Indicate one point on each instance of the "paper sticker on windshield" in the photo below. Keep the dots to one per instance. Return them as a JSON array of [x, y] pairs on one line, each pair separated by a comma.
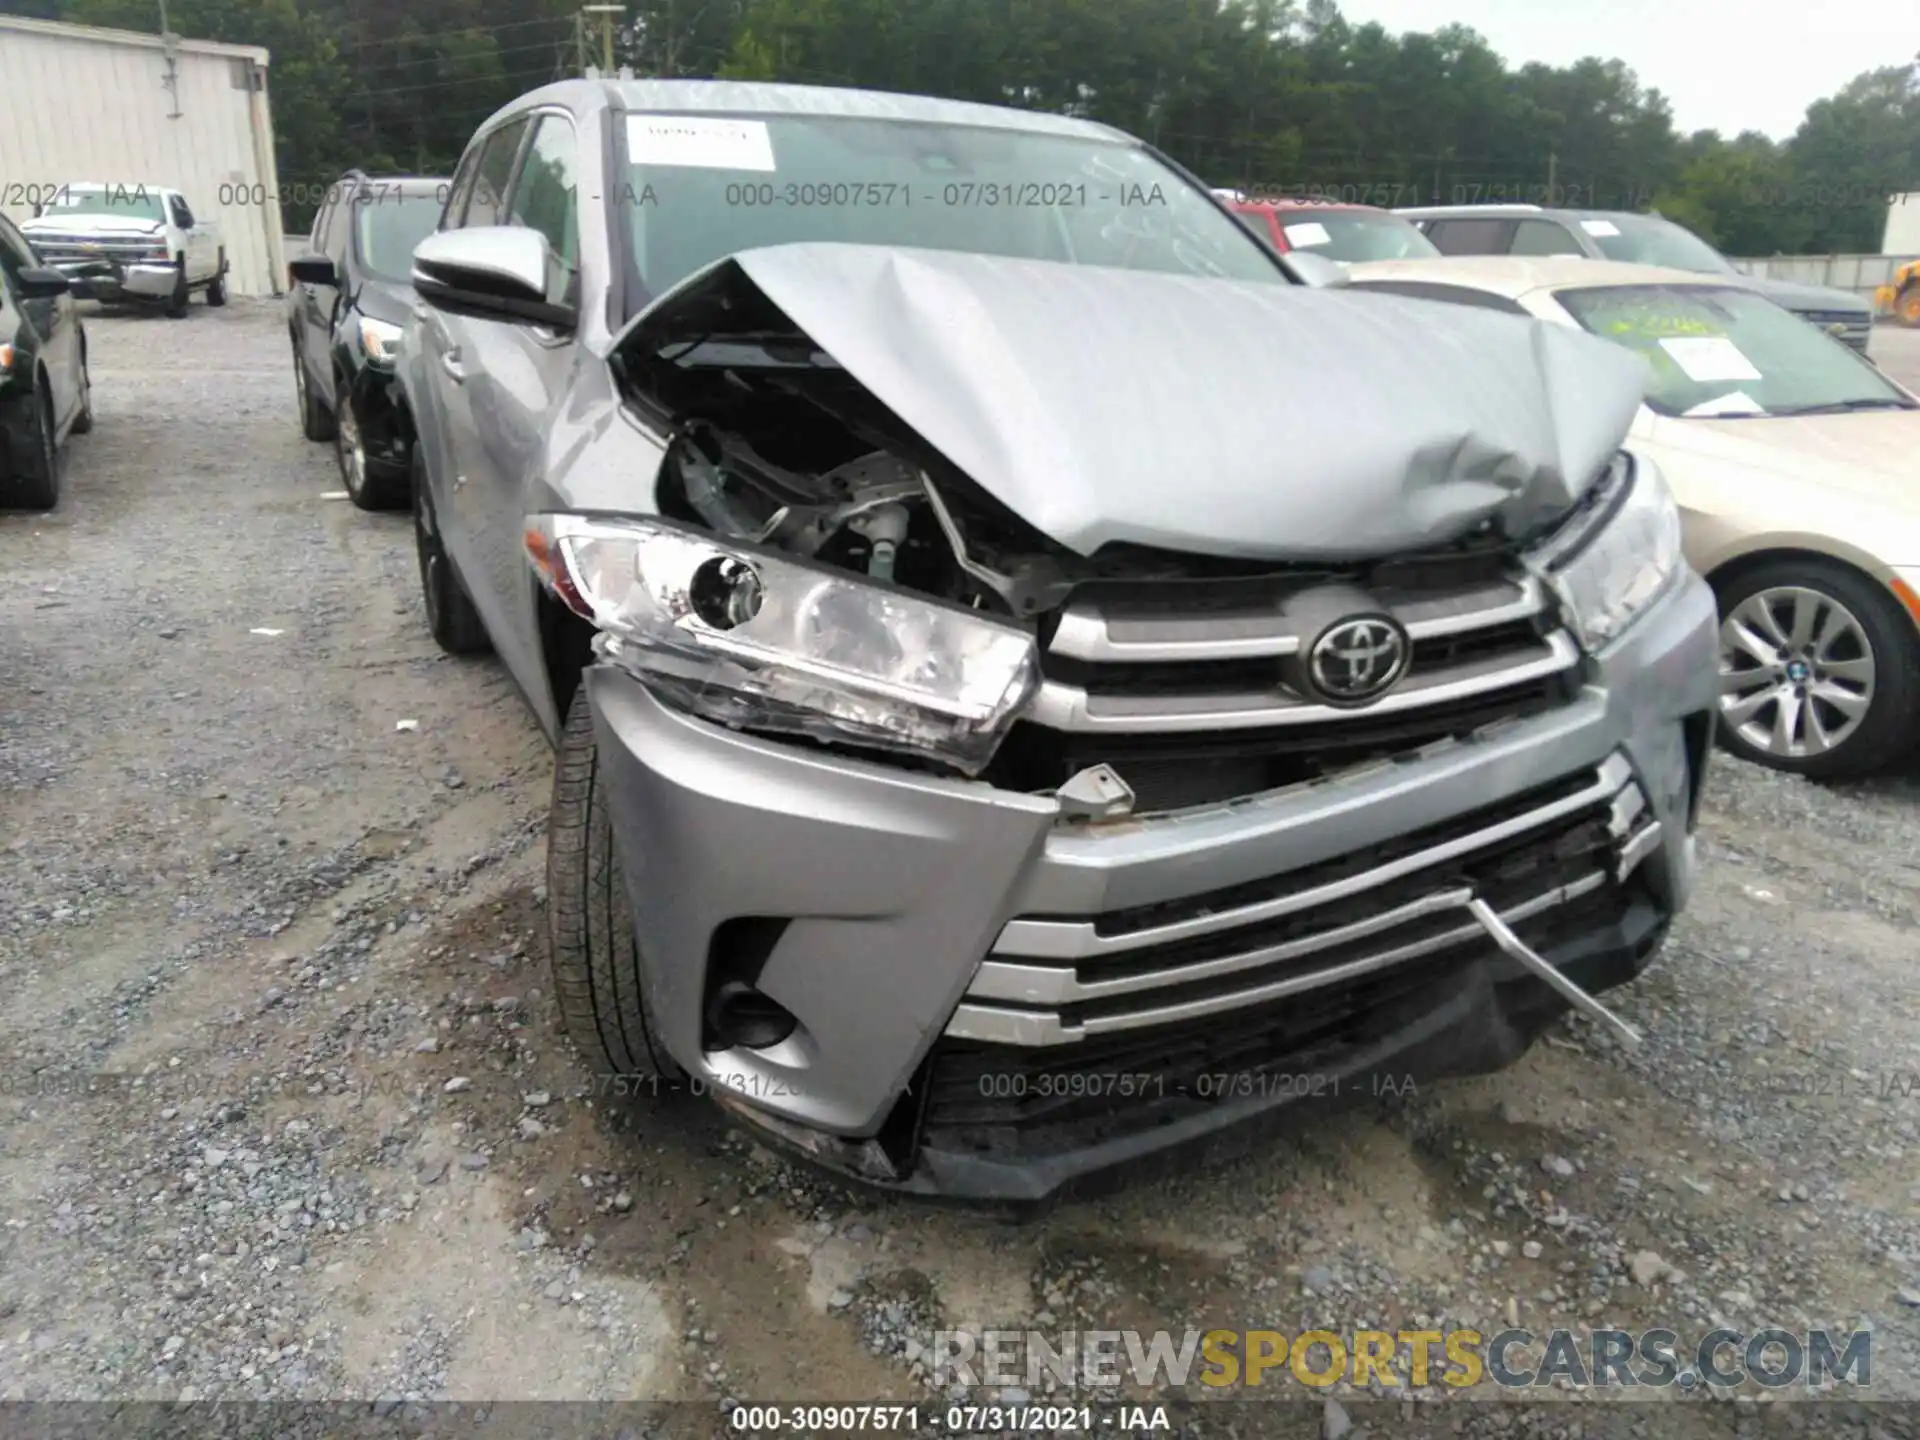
[[1308, 232], [1707, 359], [700, 141], [1599, 227]]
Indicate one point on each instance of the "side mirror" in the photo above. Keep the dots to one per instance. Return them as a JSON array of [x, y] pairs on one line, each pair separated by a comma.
[[313, 270], [491, 272], [40, 283], [1315, 270]]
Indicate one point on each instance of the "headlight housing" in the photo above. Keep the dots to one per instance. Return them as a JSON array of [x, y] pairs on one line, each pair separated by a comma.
[[380, 340], [1616, 555], [761, 642]]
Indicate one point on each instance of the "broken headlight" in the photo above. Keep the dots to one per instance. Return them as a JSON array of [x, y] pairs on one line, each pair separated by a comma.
[[1617, 554], [379, 340], [764, 643]]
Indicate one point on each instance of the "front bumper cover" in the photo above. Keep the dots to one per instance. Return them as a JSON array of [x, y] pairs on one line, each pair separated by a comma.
[[117, 280], [891, 889]]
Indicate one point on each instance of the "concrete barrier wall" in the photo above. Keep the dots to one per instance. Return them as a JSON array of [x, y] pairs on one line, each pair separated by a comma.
[[1862, 274]]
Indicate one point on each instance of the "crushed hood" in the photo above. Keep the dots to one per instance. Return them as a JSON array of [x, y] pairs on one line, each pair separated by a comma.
[[1231, 418]]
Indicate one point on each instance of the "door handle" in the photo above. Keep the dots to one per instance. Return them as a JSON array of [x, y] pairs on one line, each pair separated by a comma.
[[450, 362]]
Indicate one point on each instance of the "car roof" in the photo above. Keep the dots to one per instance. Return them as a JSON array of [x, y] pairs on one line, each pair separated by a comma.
[[426, 184], [1514, 275], [739, 97], [1475, 212], [1275, 205]]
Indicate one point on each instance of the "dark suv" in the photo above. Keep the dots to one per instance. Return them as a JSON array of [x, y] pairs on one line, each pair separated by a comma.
[[348, 302], [44, 392]]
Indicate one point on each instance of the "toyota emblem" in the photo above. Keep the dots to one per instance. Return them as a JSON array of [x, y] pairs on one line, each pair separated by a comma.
[[1359, 659]]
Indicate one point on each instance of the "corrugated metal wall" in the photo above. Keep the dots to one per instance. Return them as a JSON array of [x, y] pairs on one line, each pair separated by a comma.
[[82, 104]]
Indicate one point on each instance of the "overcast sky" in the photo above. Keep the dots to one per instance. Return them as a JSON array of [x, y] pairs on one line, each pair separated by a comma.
[[1723, 65]]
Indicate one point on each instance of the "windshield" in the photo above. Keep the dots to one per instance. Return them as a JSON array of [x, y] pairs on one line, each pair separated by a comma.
[[700, 188], [387, 228], [1716, 351], [1352, 236], [1649, 240], [133, 202]]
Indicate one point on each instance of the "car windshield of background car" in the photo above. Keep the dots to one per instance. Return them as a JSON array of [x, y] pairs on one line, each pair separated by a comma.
[[1714, 351], [130, 201], [387, 228], [1352, 237], [1648, 240]]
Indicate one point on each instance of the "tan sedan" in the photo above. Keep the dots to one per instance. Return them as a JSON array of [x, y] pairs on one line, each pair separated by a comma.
[[1796, 465]]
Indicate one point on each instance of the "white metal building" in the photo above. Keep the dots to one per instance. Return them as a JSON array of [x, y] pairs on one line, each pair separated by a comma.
[[120, 107], [1902, 235]]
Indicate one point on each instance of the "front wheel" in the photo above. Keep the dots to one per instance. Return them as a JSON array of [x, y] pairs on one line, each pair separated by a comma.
[[1819, 670], [595, 955], [36, 486], [83, 420], [316, 421], [182, 292], [370, 485], [451, 616], [217, 287]]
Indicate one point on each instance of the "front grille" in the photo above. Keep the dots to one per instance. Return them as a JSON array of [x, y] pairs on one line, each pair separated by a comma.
[[75, 252], [1856, 327], [1012, 1101], [1180, 686], [1057, 981]]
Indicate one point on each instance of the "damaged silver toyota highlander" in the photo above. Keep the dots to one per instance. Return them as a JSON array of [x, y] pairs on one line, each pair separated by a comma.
[[1042, 684]]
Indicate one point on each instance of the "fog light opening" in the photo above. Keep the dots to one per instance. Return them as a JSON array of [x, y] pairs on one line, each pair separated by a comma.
[[741, 1017]]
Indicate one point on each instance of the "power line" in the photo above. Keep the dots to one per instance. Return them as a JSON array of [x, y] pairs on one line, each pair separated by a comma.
[[465, 30]]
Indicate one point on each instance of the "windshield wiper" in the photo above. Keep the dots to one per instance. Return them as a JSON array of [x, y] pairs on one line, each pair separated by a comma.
[[1841, 407]]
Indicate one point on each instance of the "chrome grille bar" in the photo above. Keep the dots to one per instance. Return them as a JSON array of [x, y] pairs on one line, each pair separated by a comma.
[[1080, 939], [996, 1025]]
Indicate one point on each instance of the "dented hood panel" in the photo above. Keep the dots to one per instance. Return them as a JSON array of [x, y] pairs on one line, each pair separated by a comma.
[[1220, 417]]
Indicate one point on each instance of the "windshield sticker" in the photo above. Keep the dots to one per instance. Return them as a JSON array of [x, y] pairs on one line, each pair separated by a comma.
[[1734, 402], [1599, 227], [1710, 359], [1308, 232], [700, 142]]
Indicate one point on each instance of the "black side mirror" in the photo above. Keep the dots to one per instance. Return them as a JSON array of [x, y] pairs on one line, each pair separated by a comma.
[[314, 270], [42, 284]]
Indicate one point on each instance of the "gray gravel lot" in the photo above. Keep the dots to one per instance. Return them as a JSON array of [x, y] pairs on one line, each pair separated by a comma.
[[285, 1111]]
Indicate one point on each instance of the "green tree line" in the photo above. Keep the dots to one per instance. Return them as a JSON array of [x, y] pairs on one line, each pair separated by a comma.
[[1272, 94]]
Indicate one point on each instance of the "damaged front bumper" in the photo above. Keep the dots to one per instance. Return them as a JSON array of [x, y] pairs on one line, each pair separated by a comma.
[[115, 280], [995, 1004]]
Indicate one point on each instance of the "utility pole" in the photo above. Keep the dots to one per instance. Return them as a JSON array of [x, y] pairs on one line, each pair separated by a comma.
[[171, 84], [606, 14], [580, 41], [1553, 169]]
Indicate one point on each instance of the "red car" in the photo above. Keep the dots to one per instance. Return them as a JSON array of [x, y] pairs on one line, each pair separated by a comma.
[[1347, 233]]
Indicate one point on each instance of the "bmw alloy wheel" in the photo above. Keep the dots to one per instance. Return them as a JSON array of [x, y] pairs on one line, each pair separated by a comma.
[[1796, 672]]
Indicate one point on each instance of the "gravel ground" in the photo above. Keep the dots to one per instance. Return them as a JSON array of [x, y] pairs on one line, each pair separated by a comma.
[[285, 1112]]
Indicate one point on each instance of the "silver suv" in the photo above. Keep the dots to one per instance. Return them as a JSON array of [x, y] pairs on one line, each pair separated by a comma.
[[1040, 682]]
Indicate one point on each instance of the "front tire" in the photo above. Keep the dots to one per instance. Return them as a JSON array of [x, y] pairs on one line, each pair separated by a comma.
[[595, 956], [451, 615], [217, 287], [367, 488], [83, 421], [37, 486], [316, 421], [177, 303], [1819, 670]]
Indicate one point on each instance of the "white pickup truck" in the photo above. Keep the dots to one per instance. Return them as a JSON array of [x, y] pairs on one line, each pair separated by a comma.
[[130, 243]]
